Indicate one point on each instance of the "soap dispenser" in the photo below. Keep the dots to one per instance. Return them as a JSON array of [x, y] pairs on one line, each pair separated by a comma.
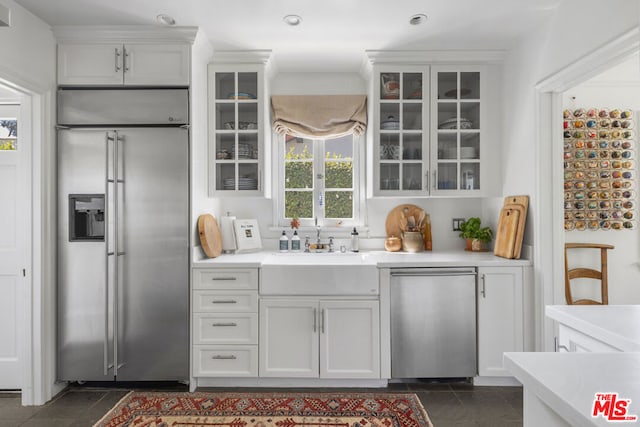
[[355, 244], [295, 242], [284, 242]]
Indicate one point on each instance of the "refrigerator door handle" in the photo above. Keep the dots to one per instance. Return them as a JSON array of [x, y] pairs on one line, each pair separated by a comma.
[[116, 239], [108, 253]]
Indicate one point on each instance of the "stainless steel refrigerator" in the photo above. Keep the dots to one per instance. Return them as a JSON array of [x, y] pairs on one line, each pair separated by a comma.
[[123, 235]]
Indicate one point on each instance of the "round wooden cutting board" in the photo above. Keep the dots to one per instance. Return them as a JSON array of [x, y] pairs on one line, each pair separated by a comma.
[[392, 225], [210, 237]]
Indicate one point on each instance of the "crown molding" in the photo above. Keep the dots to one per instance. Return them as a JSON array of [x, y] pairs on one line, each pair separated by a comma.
[[258, 56], [595, 62], [435, 56], [118, 33]]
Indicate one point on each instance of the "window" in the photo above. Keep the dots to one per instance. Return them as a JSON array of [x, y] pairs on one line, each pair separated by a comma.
[[320, 180], [8, 133]]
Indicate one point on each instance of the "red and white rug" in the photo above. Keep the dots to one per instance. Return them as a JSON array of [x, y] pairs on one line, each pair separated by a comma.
[[158, 409]]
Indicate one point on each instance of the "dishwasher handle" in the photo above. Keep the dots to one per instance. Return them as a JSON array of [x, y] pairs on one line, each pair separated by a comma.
[[421, 272]]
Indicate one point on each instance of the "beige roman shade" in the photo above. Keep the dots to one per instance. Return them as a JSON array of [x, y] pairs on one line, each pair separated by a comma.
[[319, 116]]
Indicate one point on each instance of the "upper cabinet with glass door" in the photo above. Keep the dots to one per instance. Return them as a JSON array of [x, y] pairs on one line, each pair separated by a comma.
[[456, 139], [401, 149], [235, 129]]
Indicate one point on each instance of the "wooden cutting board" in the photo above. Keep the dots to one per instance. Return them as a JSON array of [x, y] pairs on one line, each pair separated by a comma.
[[394, 218], [210, 237], [507, 232], [522, 204]]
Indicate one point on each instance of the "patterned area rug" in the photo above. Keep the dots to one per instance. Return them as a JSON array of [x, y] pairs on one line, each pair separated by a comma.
[[144, 409]]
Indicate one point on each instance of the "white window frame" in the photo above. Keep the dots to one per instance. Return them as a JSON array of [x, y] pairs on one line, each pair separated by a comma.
[[279, 153]]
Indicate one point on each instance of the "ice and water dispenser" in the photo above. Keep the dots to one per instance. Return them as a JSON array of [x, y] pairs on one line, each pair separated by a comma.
[[86, 217]]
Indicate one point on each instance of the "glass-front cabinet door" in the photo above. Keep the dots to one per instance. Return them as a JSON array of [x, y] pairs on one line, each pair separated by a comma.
[[235, 130], [401, 152], [456, 139]]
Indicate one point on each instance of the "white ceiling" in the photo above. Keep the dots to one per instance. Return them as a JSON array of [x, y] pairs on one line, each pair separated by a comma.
[[334, 33]]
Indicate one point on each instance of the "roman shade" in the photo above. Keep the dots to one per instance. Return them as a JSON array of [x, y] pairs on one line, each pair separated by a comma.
[[319, 116]]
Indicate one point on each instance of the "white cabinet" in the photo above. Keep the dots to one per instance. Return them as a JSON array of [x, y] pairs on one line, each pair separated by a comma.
[[572, 340], [225, 322], [319, 338], [500, 317], [128, 64], [401, 149], [430, 135], [238, 120], [457, 121]]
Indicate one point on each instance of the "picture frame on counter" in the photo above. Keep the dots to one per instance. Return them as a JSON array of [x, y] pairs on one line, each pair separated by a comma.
[[247, 235]]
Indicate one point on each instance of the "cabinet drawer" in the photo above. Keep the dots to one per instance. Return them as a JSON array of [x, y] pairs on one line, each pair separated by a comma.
[[225, 301], [225, 278], [225, 361], [225, 329]]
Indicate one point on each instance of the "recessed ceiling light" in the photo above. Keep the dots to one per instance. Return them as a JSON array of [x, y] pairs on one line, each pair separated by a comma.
[[418, 19], [292, 20], [165, 19]]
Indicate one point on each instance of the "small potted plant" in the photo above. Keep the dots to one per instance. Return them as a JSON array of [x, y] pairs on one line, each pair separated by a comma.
[[475, 234]]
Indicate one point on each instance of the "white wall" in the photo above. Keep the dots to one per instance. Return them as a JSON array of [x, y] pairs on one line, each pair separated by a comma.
[[28, 49], [440, 210], [201, 53], [624, 260]]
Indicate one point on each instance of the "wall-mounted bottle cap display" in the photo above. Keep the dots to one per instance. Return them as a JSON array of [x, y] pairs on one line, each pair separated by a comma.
[[599, 169]]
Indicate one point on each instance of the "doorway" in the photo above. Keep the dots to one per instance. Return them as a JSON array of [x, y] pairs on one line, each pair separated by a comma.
[[549, 250], [15, 194]]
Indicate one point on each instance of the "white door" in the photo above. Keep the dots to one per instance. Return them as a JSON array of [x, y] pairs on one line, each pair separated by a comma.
[[288, 338], [349, 339], [13, 194], [500, 317]]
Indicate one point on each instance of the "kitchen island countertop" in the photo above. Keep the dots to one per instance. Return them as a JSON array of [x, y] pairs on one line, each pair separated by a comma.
[[616, 325], [567, 399]]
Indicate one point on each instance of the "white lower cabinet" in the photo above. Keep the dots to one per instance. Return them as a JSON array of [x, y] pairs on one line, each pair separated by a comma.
[[225, 323], [314, 338], [500, 317], [571, 340]]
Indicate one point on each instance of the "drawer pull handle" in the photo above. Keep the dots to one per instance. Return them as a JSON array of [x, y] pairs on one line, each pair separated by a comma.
[[224, 324], [224, 301], [224, 278], [221, 357]]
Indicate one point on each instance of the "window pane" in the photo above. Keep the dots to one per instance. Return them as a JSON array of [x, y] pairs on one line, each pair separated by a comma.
[[338, 174], [339, 148], [298, 148], [338, 204], [298, 175], [8, 134], [298, 204]]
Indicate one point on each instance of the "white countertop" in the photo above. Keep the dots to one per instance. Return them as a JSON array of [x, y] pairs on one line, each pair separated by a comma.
[[568, 382], [616, 325], [382, 259]]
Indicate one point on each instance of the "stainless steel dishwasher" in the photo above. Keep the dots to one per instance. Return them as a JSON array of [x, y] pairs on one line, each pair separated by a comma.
[[433, 322]]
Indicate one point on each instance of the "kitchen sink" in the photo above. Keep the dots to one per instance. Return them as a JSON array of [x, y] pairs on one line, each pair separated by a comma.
[[319, 258], [319, 273]]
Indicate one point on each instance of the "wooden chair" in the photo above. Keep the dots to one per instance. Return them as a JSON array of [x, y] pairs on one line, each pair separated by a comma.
[[587, 273]]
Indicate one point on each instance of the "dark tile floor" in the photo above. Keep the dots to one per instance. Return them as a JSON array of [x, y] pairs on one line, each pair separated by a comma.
[[448, 404]]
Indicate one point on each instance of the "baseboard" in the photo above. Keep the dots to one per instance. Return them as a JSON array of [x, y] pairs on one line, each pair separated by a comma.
[[289, 382], [496, 381]]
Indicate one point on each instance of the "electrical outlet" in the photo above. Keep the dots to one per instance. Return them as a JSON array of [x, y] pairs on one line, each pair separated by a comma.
[[455, 223]]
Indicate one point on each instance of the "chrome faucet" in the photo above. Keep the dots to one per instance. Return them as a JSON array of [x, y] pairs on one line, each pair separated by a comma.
[[317, 232]]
